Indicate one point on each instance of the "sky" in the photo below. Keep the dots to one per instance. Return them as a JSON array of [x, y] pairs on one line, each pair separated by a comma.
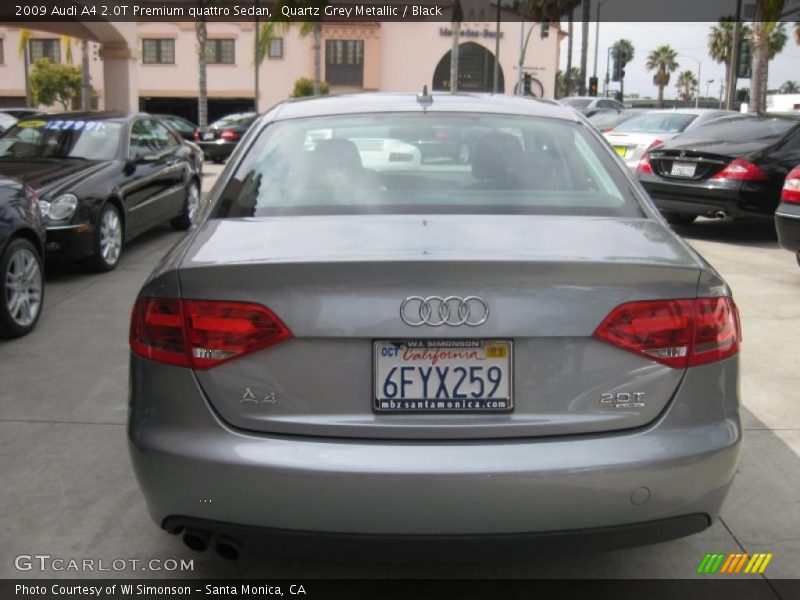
[[688, 39]]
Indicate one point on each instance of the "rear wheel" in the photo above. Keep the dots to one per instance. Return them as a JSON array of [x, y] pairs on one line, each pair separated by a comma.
[[22, 288], [191, 206], [107, 240], [679, 218]]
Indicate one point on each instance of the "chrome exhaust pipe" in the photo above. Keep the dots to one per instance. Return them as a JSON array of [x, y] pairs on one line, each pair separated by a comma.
[[721, 215], [196, 539], [227, 548]]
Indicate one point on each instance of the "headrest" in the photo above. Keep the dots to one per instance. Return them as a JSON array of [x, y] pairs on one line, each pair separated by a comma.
[[336, 154], [497, 157]]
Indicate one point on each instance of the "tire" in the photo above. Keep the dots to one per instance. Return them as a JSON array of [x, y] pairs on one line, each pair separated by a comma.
[[679, 218], [191, 207], [108, 239], [21, 288]]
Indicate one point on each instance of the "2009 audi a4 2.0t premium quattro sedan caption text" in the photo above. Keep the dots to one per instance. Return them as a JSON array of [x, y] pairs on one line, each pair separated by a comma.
[[516, 345]]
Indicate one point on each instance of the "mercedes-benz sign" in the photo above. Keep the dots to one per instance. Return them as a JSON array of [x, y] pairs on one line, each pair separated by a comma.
[[451, 310]]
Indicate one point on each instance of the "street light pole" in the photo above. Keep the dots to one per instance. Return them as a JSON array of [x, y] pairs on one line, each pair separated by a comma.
[[597, 35]]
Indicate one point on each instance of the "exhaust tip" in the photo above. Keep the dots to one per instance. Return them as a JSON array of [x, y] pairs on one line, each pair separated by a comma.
[[228, 548], [720, 214], [196, 539]]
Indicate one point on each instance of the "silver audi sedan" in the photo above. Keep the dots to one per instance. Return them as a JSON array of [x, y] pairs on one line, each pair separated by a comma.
[[515, 348]]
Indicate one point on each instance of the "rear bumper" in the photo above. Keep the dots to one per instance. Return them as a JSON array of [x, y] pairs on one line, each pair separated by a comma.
[[192, 465], [217, 150], [707, 199], [787, 224]]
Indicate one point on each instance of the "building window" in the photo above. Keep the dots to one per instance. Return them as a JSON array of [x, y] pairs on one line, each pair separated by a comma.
[[158, 51], [344, 62], [2, 53], [45, 49], [275, 48], [220, 52]]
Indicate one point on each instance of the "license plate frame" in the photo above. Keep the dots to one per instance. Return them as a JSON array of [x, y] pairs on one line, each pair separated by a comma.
[[683, 169], [501, 402]]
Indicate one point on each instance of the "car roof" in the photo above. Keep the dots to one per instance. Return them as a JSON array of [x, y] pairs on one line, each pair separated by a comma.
[[408, 102], [90, 114], [688, 111]]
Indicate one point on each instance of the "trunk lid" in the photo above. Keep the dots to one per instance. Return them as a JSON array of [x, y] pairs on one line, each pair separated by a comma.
[[338, 284]]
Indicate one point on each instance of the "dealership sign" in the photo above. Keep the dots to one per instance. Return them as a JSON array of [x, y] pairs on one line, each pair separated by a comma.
[[469, 33]]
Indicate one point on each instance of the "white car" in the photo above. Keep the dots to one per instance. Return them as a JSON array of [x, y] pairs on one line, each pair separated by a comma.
[[632, 138]]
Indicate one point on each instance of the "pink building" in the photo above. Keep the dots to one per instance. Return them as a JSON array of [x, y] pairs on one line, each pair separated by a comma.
[[153, 65]]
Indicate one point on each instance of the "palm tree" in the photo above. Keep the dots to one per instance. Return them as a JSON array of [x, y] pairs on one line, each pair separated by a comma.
[[790, 87], [201, 32], [457, 17], [764, 23], [687, 86], [313, 27], [662, 61], [24, 52], [624, 51], [720, 42], [567, 82], [776, 41]]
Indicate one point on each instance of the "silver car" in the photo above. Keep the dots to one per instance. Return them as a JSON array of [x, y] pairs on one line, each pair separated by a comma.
[[515, 348]]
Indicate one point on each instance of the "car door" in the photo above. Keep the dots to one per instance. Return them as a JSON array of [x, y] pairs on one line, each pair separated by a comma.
[[174, 163], [152, 170]]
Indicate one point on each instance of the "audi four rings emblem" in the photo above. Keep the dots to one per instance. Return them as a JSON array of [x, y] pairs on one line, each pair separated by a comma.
[[451, 310]]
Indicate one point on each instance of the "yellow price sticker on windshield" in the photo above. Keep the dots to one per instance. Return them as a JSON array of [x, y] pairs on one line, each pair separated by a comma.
[[31, 124]]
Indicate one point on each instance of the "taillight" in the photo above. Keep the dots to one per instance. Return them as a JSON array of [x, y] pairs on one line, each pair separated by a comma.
[[741, 170], [644, 164], [196, 136], [791, 187], [654, 144], [677, 333], [229, 135], [202, 334]]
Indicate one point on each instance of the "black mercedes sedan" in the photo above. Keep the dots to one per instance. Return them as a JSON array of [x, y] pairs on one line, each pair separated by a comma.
[[102, 178], [21, 252], [732, 168], [218, 140]]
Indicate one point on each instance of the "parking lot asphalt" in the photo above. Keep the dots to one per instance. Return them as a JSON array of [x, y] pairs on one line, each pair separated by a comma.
[[68, 489]]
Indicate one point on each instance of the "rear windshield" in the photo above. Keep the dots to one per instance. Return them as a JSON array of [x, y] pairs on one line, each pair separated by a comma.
[[232, 120], [742, 129], [657, 123], [426, 163], [89, 139], [576, 102]]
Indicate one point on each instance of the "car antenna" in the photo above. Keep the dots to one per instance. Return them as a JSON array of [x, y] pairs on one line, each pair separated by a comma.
[[425, 97]]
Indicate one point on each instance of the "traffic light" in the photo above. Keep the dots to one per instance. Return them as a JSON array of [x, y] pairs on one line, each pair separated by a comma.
[[593, 86], [545, 30], [744, 64]]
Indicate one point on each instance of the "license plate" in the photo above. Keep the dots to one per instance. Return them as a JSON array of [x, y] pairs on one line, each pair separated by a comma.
[[621, 150], [683, 169], [442, 376], [208, 135]]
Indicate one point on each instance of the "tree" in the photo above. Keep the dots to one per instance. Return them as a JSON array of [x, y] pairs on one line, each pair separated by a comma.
[[586, 16], [201, 32], [567, 82], [776, 40], [52, 83], [790, 87], [624, 51], [765, 22], [457, 17], [312, 27], [720, 42], [662, 61], [687, 86]]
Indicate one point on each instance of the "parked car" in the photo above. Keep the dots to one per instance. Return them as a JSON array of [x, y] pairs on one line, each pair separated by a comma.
[[21, 252], [219, 139], [183, 126], [607, 120], [642, 132], [590, 104], [6, 121], [516, 346], [731, 168], [787, 217], [102, 179]]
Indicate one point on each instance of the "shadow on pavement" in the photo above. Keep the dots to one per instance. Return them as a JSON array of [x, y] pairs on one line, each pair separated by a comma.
[[754, 233]]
